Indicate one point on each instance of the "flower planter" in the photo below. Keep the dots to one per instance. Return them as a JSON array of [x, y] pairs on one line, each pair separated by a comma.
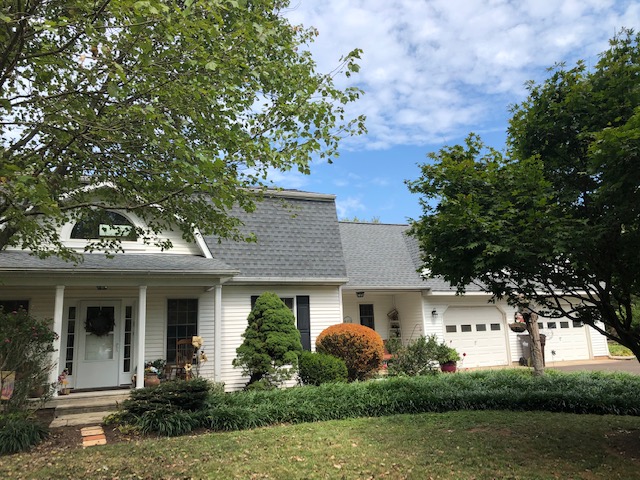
[[518, 327], [151, 380], [449, 367]]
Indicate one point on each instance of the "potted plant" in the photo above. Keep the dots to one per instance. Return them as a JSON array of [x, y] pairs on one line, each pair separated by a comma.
[[151, 374], [63, 383], [447, 357]]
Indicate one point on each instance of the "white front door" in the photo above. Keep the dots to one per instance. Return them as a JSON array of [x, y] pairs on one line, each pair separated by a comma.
[[98, 347]]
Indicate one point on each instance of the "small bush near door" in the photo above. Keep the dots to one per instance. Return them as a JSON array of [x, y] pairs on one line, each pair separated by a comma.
[[420, 357], [26, 345], [318, 368]]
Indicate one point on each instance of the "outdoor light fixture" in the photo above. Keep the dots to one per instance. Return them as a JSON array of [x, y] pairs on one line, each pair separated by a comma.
[[434, 314], [359, 294]]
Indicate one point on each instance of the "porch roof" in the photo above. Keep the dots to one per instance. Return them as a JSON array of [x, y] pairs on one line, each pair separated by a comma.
[[122, 263]]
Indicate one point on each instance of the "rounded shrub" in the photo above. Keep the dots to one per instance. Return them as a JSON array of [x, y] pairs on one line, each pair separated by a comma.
[[318, 368], [360, 347]]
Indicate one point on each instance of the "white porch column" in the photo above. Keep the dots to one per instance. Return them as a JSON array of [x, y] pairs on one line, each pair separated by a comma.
[[217, 336], [140, 334], [58, 312]]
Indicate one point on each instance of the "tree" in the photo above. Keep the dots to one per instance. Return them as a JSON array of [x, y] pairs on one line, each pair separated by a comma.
[[26, 345], [171, 109], [553, 224], [271, 345]]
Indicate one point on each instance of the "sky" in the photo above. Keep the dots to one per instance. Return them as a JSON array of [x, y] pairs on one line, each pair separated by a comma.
[[432, 72]]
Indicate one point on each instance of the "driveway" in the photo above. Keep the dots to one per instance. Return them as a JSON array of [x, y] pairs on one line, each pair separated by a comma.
[[607, 365]]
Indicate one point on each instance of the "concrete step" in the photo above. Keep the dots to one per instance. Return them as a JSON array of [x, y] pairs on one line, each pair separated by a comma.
[[85, 408]]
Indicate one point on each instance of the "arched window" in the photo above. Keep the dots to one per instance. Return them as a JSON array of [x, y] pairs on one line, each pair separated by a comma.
[[103, 224]]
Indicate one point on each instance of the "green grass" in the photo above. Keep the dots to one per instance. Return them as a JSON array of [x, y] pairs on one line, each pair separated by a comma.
[[464, 445]]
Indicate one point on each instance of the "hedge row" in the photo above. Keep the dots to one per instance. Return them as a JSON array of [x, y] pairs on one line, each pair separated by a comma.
[[498, 390]]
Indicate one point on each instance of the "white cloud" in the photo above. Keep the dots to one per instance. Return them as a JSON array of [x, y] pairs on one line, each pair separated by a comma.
[[439, 68], [349, 207]]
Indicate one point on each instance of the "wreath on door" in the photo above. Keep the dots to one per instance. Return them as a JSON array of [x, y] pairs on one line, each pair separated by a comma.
[[100, 323]]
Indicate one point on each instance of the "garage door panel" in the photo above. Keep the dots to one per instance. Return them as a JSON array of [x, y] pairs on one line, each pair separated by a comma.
[[567, 341], [479, 333]]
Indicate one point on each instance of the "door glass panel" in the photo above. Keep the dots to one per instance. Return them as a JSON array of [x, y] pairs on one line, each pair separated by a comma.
[[98, 348]]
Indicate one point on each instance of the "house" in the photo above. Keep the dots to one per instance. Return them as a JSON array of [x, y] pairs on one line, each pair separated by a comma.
[[113, 314], [386, 291]]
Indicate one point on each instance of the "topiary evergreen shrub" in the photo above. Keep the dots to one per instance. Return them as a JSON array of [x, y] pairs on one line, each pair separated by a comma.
[[360, 347], [271, 345], [317, 368]]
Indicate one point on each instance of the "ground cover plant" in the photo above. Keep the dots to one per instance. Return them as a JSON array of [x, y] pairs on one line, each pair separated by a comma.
[[518, 390], [453, 445]]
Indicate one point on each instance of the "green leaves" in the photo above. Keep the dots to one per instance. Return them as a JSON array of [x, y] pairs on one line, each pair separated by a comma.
[[556, 218], [147, 95]]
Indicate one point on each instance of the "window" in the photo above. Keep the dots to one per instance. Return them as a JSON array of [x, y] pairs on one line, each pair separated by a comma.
[[495, 327], [465, 328], [9, 306], [301, 307], [103, 224], [540, 325], [564, 324], [71, 335], [366, 316], [451, 329], [128, 333], [182, 322], [481, 327], [577, 324], [551, 325]]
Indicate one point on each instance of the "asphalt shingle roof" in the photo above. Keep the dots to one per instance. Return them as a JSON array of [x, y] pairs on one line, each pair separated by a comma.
[[122, 262], [379, 255], [382, 255], [297, 238]]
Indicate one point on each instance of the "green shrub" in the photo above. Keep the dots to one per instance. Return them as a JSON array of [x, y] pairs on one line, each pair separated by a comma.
[[318, 368], [176, 395], [417, 358], [19, 432], [271, 342], [360, 347]]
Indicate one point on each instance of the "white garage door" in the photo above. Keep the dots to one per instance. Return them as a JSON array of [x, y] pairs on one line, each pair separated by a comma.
[[478, 332], [565, 339]]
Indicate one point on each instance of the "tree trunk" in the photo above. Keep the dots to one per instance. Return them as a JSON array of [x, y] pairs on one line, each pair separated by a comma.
[[536, 348]]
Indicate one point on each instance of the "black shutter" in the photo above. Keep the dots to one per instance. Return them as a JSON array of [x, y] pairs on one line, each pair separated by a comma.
[[304, 320]]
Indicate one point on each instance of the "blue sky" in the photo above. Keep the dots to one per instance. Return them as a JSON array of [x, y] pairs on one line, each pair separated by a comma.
[[433, 71]]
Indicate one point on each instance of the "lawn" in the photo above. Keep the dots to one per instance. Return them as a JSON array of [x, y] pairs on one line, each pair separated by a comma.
[[453, 445]]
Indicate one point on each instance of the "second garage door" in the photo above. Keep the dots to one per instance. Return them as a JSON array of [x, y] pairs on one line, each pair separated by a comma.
[[478, 332]]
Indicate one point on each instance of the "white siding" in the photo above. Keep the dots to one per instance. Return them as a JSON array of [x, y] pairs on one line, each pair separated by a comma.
[[408, 305], [236, 305]]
